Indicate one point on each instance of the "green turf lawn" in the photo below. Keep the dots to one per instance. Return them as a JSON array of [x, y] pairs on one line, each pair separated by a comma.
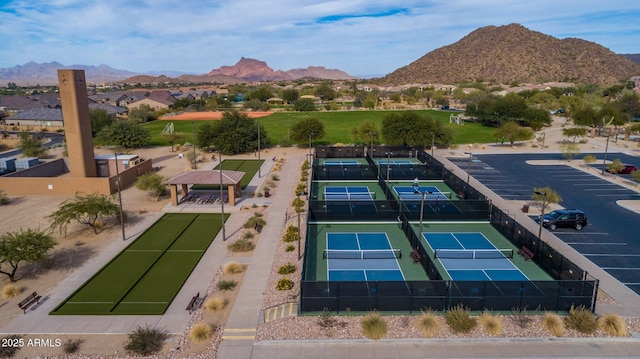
[[338, 126], [165, 253]]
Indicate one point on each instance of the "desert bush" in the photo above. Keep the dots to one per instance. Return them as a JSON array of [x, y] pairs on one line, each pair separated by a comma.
[[72, 346], [581, 319], [3, 198], [214, 304], [287, 268], [521, 316], [298, 204], [291, 234], [290, 248], [284, 284], [459, 319], [145, 341], [326, 320], [613, 325], [553, 323], [253, 221], [428, 323], [10, 291], [233, 268], [200, 332], [275, 177], [9, 351], [226, 284], [374, 326], [247, 235], [301, 188], [589, 159], [491, 323], [241, 245]]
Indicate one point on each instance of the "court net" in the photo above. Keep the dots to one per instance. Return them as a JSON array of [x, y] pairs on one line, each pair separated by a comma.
[[473, 253], [367, 196], [427, 196], [362, 254]]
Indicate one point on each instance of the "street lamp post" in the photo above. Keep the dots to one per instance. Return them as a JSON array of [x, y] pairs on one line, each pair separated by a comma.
[[421, 211], [468, 166], [388, 166], [193, 140], [224, 235], [119, 196], [298, 210], [544, 203], [604, 161], [372, 134], [433, 142], [259, 163]]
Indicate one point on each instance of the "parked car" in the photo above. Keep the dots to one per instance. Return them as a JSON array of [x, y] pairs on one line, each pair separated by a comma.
[[626, 170], [564, 218]]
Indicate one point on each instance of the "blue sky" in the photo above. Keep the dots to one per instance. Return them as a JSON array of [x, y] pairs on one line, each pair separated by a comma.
[[362, 37]]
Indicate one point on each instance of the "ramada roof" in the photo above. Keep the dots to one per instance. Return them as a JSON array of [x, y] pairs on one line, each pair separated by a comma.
[[207, 177]]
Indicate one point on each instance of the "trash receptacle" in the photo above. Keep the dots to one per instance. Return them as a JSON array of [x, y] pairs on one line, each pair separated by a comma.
[[525, 208], [266, 192]]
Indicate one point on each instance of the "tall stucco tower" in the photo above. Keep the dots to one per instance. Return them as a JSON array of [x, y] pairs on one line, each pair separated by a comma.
[[77, 125]]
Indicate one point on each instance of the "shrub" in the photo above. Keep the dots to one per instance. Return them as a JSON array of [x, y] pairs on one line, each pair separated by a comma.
[[291, 234], [200, 332], [613, 325], [589, 159], [459, 319], [287, 268], [491, 323], [581, 319], [301, 188], [290, 248], [214, 304], [145, 341], [284, 284], [3, 198], [9, 351], [521, 317], [553, 323], [72, 346], [241, 245], [275, 177], [428, 323], [373, 326], [252, 221], [225, 285], [298, 204], [247, 235], [10, 291], [326, 320], [233, 268]]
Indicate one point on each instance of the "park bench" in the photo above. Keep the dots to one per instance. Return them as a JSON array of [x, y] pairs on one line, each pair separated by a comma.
[[29, 301], [415, 256], [526, 253], [193, 304]]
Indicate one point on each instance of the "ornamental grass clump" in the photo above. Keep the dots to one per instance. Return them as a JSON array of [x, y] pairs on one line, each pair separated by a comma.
[[233, 268], [581, 319], [225, 285], [284, 284], [287, 268], [10, 291], [491, 323], [374, 326], [241, 245], [459, 319], [613, 325], [200, 332], [428, 323], [214, 305], [553, 323], [145, 341]]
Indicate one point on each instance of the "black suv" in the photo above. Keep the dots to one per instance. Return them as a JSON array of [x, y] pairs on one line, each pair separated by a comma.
[[564, 218]]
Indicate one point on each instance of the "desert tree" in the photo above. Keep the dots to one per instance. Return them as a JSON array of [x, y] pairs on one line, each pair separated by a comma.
[[31, 145], [574, 132], [366, 132], [615, 166], [234, 133], [85, 209], [546, 196], [23, 246], [126, 134], [569, 150], [153, 184], [307, 128], [513, 132], [173, 138]]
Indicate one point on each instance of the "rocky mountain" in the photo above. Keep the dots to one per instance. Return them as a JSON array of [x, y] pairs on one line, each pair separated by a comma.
[[633, 57], [46, 73], [256, 70], [513, 53]]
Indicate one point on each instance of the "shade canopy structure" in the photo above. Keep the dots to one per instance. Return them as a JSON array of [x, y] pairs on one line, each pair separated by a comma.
[[230, 179]]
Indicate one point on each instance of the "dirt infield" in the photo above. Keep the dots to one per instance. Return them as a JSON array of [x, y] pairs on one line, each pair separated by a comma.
[[210, 115]]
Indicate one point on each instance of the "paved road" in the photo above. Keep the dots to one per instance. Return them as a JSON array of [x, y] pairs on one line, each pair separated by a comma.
[[54, 139], [611, 240]]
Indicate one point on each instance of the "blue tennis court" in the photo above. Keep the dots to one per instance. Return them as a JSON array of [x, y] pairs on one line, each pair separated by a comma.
[[348, 192], [410, 193], [361, 257], [470, 256], [384, 162]]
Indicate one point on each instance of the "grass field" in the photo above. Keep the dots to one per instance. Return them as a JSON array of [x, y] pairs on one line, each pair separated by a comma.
[[338, 126], [165, 253]]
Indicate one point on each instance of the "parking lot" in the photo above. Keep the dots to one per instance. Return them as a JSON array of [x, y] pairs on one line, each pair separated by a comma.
[[611, 240]]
